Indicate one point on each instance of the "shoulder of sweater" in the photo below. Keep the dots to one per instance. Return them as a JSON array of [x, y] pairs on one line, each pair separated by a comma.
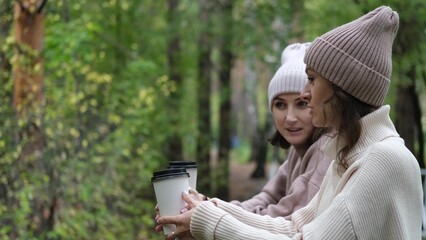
[[383, 172], [390, 154], [391, 148]]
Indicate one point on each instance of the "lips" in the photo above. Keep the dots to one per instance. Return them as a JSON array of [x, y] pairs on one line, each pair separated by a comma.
[[293, 132], [293, 129]]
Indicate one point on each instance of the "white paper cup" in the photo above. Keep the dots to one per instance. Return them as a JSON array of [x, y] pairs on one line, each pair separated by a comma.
[[168, 186], [191, 168]]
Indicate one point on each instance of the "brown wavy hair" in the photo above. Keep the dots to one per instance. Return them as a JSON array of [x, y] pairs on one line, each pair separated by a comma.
[[348, 112]]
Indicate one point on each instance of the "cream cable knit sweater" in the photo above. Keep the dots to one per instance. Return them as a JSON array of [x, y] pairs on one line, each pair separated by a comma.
[[378, 197]]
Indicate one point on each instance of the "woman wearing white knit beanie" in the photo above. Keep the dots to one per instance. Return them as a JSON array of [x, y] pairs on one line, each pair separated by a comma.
[[372, 189], [298, 179]]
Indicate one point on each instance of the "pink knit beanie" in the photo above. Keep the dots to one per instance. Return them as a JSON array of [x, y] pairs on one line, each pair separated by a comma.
[[291, 76], [357, 56]]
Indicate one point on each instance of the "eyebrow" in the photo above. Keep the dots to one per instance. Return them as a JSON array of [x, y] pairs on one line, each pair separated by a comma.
[[282, 99]]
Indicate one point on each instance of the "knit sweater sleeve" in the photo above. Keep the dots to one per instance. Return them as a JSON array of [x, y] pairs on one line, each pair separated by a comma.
[[222, 220], [211, 222], [217, 219]]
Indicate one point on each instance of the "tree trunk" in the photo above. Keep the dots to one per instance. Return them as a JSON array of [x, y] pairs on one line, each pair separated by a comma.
[[120, 58], [258, 146], [27, 100], [29, 27], [226, 57], [259, 171], [174, 146], [408, 120], [204, 137], [297, 30], [407, 108]]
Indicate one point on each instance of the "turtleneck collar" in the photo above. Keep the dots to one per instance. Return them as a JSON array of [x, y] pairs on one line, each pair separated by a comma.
[[375, 127]]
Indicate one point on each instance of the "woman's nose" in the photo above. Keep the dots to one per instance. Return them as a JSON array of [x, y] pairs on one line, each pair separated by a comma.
[[291, 116]]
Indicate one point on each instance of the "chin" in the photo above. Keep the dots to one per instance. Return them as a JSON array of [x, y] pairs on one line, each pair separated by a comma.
[[297, 142]]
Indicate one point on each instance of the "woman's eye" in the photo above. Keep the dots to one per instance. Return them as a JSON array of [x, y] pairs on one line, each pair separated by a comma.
[[302, 104], [310, 80], [279, 105]]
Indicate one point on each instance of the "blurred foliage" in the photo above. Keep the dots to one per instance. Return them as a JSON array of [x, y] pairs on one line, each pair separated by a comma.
[[104, 114]]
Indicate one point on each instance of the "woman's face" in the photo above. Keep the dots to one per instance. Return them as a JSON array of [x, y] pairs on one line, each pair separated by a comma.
[[292, 118], [317, 92]]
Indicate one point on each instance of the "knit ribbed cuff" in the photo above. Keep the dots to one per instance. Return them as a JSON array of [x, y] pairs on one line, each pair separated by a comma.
[[205, 219]]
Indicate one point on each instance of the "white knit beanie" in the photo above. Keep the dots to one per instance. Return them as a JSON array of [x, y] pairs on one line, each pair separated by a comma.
[[291, 76], [357, 56]]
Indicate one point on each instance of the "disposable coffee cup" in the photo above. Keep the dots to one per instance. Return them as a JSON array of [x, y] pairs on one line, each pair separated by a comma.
[[168, 186], [191, 168]]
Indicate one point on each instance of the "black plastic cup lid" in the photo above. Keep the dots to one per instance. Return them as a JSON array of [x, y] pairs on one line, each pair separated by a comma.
[[182, 164], [169, 173]]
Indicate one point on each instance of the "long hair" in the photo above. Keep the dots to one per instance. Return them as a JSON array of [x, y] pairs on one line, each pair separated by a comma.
[[348, 112]]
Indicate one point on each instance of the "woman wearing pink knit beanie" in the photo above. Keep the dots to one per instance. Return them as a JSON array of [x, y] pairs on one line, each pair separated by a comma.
[[299, 178], [372, 189]]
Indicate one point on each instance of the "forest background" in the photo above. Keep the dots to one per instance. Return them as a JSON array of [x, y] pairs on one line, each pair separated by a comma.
[[97, 95]]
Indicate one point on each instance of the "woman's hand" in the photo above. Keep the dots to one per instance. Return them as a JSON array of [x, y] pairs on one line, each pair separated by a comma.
[[182, 221], [195, 197], [159, 227]]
